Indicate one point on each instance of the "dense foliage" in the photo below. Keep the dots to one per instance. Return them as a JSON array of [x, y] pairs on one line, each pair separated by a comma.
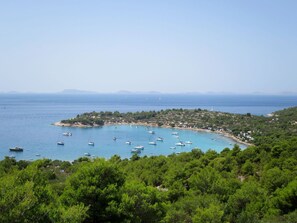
[[257, 184]]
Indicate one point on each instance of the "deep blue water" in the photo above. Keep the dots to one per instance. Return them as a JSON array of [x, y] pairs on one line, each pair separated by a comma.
[[26, 121]]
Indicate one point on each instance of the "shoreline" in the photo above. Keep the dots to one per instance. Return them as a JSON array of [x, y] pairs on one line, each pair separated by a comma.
[[223, 133]]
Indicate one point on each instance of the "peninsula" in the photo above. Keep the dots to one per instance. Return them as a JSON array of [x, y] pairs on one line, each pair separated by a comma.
[[245, 128]]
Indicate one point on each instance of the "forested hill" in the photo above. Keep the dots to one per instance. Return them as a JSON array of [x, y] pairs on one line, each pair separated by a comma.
[[249, 128], [253, 185]]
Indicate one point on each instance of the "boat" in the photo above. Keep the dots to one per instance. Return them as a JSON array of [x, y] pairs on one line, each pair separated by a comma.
[[174, 133], [135, 150], [139, 147], [188, 142], [37, 154], [172, 147], [151, 132], [16, 149], [91, 143], [160, 139], [179, 144], [60, 143], [87, 154], [67, 134], [152, 143], [114, 138], [128, 143]]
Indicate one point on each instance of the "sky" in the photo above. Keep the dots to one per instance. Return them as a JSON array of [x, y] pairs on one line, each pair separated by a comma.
[[167, 46]]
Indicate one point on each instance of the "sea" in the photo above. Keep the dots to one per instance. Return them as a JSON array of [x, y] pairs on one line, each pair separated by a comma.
[[26, 121]]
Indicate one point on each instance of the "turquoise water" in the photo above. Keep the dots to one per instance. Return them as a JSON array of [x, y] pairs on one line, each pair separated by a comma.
[[26, 122], [77, 145]]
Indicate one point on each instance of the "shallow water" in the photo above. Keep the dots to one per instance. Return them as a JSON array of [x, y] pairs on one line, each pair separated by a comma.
[[105, 146]]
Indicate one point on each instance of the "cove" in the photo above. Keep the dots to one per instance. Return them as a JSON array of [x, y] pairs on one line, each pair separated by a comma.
[[77, 145]]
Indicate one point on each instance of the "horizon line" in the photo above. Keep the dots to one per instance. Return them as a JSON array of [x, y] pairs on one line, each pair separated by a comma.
[[127, 92]]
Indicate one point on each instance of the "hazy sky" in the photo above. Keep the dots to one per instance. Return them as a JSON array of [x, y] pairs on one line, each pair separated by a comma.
[[169, 46]]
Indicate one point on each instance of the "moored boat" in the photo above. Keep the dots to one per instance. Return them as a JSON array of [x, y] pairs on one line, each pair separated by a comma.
[[151, 132], [179, 144], [60, 143], [16, 149], [135, 150], [67, 134], [160, 139], [139, 147], [91, 143], [128, 142], [87, 154], [188, 142], [152, 143]]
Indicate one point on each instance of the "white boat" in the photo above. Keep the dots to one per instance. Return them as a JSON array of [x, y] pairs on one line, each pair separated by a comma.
[[179, 144], [128, 142], [174, 133], [67, 134], [188, 142], [114, 138], [151, 132], [139, 147], [87, 154], [60, 143], [37, 154], [16, 149], [91, 143], [160, 139], [172, 147], [152, 143], [135, 150]]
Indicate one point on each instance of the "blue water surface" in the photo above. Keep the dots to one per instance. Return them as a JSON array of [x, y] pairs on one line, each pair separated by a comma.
[[26, 121]]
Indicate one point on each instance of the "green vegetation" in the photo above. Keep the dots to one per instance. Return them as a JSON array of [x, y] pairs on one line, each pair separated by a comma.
[[87, 120], [257, 130], [257, 184]]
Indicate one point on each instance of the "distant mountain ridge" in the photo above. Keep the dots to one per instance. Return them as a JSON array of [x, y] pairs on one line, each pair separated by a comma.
[[75, 91]]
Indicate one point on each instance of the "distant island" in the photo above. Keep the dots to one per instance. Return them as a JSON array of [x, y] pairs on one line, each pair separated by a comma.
[[247, 128], [75, 91]]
